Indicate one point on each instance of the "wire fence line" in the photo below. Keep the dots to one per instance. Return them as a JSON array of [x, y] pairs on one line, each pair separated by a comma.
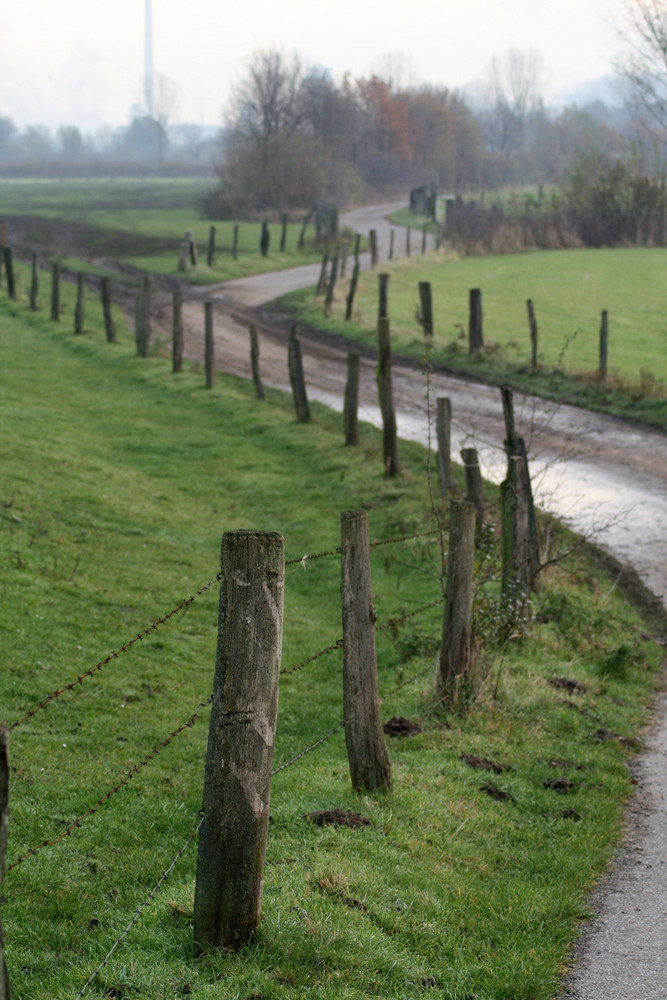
[[140, 910], [116, 653], [310, 557], [112, 791]]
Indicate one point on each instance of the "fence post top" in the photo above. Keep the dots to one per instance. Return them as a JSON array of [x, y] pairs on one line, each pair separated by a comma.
[[252, 533], [353, 515]]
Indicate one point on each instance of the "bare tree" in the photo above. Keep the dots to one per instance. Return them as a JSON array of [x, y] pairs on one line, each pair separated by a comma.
[[644, 65], [266, 103], [516, 85]]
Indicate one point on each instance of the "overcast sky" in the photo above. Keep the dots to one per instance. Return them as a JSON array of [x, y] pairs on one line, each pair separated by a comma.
[[82, 61]]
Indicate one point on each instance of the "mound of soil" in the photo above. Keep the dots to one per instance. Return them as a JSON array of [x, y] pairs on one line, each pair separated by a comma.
[[483, 764], [400, 726], [567, 684], [338, 817], [560, 785], [499, 794]]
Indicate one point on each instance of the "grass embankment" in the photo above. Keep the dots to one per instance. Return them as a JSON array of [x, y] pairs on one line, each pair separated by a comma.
[[118, 480], [142, 223], [569, 289]]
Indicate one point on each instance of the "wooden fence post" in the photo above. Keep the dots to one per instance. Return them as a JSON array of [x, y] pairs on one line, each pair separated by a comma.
[[9, 271], [407, 242], [192, 247], [424, 238], [604, 330], [517, 571], [354, 280], [532, 323], [345, 250], [519, 475], [383, 288], [475, 333], [4, 825], [146, 314], [322, 280], [78, 309], [390, 457], [210, 257], [34, 283], [296, 377], [357, 246], [55, 293], [474, 486], [351, 403], [443, 423], [239, 756], [209, 347], [283, 232], [331, 284], [254, 362], [367, 755], [373, 241], [235, 241], [177, 331], [264, 239], [109, 325], [455, 648], [426, 308], [391, 245]]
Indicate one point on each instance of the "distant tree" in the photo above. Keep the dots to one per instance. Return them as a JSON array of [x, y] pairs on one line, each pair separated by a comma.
[[516, 83], [644, 65], [7, 132], [71, 143]]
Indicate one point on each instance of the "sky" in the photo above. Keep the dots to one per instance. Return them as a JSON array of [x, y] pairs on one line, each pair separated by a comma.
[[81, 62]]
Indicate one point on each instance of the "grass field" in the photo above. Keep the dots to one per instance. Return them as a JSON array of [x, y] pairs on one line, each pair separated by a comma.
[[142, 223], [569, 289], [118, 481]]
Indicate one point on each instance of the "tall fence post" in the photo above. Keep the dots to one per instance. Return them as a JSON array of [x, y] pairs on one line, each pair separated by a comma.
[[4, 824], [140, 326], [78, 309], [264, 239], [177, 331], [235, 241], [239, 755], [407, 242], [367, 755], [351, 403], [357, 246], [55, 293], [254, 362], [474, 486], [209, 347], [424, 227], [604, 331], [373, 241], [210, 256], [322, 280], [296, 377], [349, 301], [426, 308], [391, 244], [146, 314], [475, 332], [443, 425], [9, 271], [532, 325], [331, 284], [517, 570], [383, 289], [456, 646], [390, 457], [519, 476], [109, 325], [34, 282], [283, 232]]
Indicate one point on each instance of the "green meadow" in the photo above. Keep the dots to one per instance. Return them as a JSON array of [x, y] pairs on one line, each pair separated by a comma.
[[118, 480]]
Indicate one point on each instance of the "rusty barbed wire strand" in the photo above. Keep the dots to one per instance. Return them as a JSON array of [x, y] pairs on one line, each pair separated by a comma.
[[116, 653], [403, 538], [399, 619], [302, 753], [338, 644], [381, 541], [137, 916], [112, 791], [309, 558]]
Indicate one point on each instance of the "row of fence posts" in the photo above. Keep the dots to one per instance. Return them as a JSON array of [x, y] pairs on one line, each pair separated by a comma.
[[189, 257]]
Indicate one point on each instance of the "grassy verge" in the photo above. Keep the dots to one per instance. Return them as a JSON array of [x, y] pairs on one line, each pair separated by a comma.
[[569, 289], [118, 480]]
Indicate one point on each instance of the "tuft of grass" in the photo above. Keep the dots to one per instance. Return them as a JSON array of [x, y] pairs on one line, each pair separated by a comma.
[[118, 481]]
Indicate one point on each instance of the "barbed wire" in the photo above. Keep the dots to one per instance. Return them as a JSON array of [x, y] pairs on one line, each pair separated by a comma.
[[392, 623], [112, 791], [410, 680], [337, 551], [338, 644], [302, 753], [116, 653], [156, 888]]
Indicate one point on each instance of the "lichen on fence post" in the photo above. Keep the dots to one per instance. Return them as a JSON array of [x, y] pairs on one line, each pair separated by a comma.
[[239, 757]]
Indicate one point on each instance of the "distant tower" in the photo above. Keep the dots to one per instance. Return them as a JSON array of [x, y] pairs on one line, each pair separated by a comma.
[[149, 75]]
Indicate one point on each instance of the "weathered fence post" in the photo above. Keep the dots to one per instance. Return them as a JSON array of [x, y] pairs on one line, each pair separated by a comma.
[[235, 241], [373, 242], [296, 377], [604, 330], [254, 362], [354, 280], [475, 333], [9, 271], [331, 284], [192, 247], [456, 645], [391, 245], [390, 457], [474, 486], [210, 257], [55, 292], [78, 309], [383, 288], [34, 282], [443, 423], [519, 475], [264, 239], [424, 238], [209, 348], [239, 756], [109, 325], [4, 825], [407, 242], [367, 755], [357, 246], [532, 323], [142, 346], [283, 232], [517, 570], [426, 308], [177, 331], [146, 314], [351, 403], [345, 250], [322, 280]]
